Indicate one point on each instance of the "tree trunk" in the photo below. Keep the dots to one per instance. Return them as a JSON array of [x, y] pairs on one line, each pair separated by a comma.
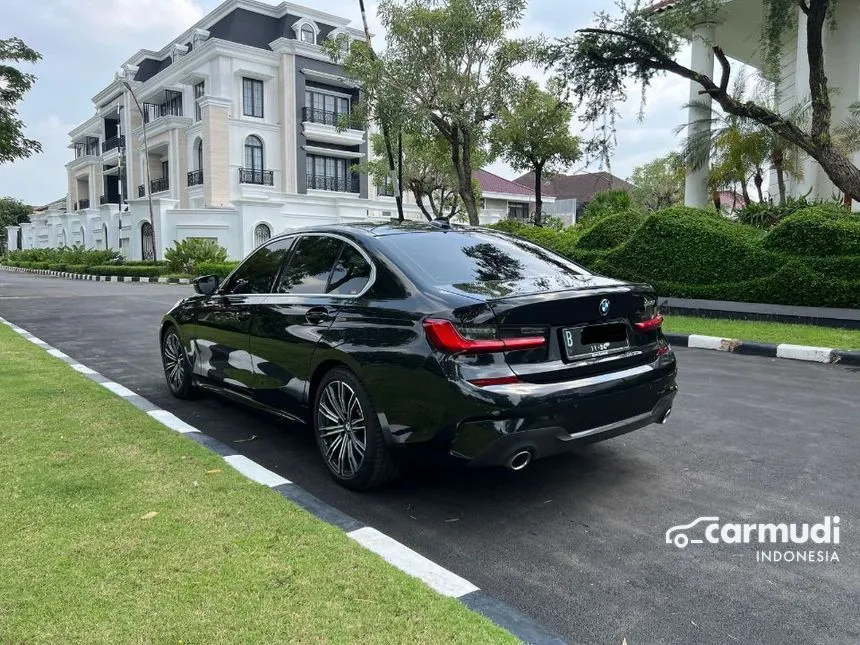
[[745, 192], [419, 200], [461, 155], [780, 181], [538, 197], [758, 180]]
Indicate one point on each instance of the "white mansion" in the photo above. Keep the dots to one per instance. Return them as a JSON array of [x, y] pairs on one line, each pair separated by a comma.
[[237, 137]]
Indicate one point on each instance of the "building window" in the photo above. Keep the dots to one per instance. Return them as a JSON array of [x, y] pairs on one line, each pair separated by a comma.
[[199, 92], [253, 153], [165, 169], [262, 233], [330, 173], [325, 108], [518, 210], [252, 97], [308, 35], [198, 149]]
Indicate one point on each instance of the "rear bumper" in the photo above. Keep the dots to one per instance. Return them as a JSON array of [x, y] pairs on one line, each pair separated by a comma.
[[553, 418]]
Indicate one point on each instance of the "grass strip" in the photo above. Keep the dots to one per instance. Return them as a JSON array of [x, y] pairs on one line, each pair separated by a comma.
[[117, 530], [765, 332]]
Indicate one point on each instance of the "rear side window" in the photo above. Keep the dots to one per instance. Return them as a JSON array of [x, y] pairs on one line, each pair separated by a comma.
[[258, 271], [462, 257], [310, 265], [350, 274]]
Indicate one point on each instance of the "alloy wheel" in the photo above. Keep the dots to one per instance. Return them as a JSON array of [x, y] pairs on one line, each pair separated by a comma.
[[174, 362], [341, 428]]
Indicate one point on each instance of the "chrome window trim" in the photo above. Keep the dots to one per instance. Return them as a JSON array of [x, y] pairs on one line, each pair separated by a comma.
[[344, 239]]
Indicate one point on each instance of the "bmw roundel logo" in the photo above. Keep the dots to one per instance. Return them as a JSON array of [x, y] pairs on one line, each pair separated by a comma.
[[604, 307]]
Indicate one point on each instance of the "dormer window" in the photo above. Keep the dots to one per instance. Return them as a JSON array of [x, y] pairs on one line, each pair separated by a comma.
[[306, 31]]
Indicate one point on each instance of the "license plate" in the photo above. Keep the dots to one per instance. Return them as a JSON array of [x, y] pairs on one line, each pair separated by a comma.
[[594, 340]]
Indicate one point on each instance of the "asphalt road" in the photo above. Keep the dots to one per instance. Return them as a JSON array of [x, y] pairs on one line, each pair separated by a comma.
[[576, 541]]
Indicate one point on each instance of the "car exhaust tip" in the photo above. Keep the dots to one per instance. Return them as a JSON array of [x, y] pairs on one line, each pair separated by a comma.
[[666, 416], [519, 460]]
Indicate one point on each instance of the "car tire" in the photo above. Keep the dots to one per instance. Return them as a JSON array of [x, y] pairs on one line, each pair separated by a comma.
[[177, 369], [344, 419]]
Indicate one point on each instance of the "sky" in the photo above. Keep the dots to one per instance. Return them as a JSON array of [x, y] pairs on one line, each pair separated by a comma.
[[84, 42]]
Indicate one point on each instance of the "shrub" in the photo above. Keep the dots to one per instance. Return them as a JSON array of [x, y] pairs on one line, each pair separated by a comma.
[[187, 254], [509, 226], [608, 232], [56, 267], [608, 202], [132, 271], [692, 247], [222, 270], [766, 215], [822, 230], [77, 268]]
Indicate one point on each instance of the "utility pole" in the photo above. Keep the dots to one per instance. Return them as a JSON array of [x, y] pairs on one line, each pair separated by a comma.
[[146, 168]]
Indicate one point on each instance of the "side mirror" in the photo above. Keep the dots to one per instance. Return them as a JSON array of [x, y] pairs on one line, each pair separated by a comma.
[[207, 284]]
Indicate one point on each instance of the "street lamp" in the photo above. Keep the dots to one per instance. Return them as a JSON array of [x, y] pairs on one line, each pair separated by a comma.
[[146, 167]]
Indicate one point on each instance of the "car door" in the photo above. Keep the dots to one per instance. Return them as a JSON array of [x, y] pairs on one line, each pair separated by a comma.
[[224, 320], [322, 271]]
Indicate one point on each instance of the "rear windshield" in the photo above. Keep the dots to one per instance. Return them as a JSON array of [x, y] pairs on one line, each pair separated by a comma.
[[462, 257]]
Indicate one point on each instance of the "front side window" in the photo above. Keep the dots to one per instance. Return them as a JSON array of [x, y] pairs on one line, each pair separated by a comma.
[[253, 153], [258, 271], [310, 265], [252, 97]]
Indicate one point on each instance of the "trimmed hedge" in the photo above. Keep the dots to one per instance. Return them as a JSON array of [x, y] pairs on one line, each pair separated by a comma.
[[56, 267], [221, 269], [131, 271], [690, 253], [693, 247], [608, 232], [817, 231], [77, 268]]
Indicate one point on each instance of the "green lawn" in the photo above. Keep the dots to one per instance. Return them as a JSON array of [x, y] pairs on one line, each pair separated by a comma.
[[117, 530], [765, 332]]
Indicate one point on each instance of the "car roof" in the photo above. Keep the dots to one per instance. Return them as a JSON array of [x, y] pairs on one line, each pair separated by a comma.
[[381, 229]]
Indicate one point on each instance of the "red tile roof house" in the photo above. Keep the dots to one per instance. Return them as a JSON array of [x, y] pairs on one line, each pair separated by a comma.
[[503, 199], [573, 192]]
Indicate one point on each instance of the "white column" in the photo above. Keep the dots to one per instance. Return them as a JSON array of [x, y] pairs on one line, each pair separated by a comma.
[[12, 237], [702, 62]]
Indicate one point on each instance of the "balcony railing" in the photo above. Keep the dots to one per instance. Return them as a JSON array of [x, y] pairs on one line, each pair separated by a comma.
[[338, 184], [326, 117], [195, 178], [260, 177], [171, 107], [82, 205], [109, 199], [159, 185], [88, 147], [141, 190], [113, 143]]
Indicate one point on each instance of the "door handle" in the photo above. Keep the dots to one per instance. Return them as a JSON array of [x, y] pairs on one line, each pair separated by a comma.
[[317, 315]]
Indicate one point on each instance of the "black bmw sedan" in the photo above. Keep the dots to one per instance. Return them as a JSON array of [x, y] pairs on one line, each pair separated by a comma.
[[467, 342]]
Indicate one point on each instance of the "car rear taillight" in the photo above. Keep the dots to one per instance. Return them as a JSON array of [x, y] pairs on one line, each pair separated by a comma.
[[499, 380], [649, 325], [443, 335], [663, 350]]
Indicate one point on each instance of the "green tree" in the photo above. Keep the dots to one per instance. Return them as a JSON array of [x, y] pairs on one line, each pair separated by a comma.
[[13, 85], [659, 183], [425, 170], [12, 212], [532, 133], [448, 63], [634, 45], [606, 203]]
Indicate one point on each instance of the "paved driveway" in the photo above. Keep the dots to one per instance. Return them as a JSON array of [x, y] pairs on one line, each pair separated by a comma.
[[576, 541]]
